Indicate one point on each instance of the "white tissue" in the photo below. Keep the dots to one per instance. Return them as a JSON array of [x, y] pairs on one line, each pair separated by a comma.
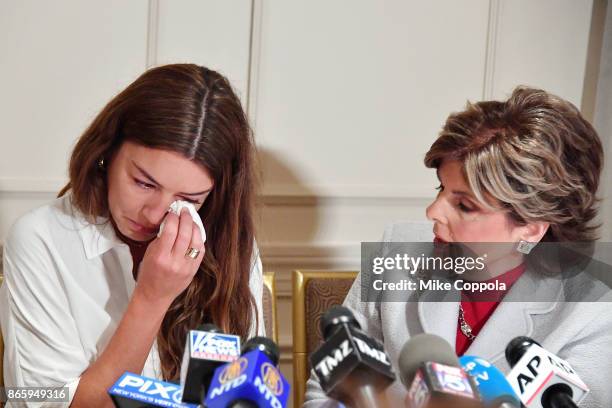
[[176, 208]]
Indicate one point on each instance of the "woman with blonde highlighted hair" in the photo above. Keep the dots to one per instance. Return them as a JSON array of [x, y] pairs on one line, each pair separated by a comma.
[[106, 279], [517, 177]]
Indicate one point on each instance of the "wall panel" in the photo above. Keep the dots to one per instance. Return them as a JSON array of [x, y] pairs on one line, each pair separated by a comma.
[[212, 33]]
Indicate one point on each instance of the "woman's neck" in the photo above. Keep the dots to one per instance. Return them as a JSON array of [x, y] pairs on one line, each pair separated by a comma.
[[137, 248]]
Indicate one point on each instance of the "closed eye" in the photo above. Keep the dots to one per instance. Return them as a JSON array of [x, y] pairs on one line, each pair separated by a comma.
[[464, 208], [191, 201], [143, 184], [148, 186]]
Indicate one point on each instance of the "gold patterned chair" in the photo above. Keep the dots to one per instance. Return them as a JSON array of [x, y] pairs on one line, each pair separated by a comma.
[[269, 306], [313, 293]]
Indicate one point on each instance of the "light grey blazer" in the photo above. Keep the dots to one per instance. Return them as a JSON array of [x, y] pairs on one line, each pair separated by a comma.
[[579, 332]]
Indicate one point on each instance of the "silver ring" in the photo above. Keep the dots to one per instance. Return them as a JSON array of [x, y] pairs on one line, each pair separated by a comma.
[[192, 253]]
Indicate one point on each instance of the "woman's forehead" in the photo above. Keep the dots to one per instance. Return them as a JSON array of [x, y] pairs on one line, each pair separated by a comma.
[[452, 171], [166, 168]]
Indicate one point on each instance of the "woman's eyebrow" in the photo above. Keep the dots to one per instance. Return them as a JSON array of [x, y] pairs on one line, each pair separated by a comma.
[[464, 194], [152, 180]]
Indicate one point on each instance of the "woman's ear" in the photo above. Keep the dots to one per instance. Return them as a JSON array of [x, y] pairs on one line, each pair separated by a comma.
[[534, 231]]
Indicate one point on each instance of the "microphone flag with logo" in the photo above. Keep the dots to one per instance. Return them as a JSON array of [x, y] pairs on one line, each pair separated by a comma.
[[540, 378], [135, 391], [205, 349], [352, 367], [253, 380]]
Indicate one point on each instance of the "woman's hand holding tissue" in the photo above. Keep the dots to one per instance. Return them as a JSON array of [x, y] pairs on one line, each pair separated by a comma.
[[165, 270]]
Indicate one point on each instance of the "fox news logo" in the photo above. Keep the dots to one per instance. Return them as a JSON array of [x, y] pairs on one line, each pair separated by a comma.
[[233, 370], [214, 346], [272, 378]]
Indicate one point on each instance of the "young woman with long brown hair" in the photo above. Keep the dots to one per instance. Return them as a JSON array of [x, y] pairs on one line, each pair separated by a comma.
[[93, 288]]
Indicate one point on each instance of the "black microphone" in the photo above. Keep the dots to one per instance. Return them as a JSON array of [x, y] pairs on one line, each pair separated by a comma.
[[265, 345], [540, 378], [430, 370], [352, 367], [206, 349]]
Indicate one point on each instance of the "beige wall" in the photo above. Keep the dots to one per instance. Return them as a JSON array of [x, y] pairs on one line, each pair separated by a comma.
[[345, 97]]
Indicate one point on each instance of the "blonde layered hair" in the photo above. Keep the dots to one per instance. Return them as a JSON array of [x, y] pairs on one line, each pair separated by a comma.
[[534, 154]]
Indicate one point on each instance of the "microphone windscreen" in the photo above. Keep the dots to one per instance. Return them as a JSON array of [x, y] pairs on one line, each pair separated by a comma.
[[517, 348], [421, 348], [265, 345], [334, 316], [209, 327]]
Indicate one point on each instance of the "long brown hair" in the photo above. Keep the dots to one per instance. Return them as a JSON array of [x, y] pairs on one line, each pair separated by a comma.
[[193, 111]]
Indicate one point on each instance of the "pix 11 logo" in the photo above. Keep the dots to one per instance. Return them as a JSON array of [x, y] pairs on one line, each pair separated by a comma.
[[148, 390]]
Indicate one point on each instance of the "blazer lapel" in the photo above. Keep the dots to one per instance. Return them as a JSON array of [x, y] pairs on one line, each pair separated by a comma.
[[440, 316], [514, 315]]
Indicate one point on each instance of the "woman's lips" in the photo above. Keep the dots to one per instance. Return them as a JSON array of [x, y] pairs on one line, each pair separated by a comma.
[[141, 228], [439, 240]]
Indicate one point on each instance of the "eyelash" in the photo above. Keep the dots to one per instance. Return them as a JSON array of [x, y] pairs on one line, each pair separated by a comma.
[[147, 186], [144, 185], [461, 206]]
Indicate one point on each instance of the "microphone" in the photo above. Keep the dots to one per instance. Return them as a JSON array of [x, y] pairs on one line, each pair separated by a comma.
[[430, 370], [495, 390], [351, 367], [206, 349], [540, 378], [251, 381], [135, 391]]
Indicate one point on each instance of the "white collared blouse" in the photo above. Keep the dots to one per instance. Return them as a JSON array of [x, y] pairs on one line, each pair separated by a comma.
[[67, 284]]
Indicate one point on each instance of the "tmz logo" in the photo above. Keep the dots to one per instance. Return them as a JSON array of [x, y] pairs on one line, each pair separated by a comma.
[[337, 356], [214, 346]]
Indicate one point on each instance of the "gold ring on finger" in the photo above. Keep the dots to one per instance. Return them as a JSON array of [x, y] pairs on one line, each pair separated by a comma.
[[192, 253]]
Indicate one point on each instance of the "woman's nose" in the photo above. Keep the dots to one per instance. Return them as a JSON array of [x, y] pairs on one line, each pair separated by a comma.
[[435, 210], [155, 210]]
